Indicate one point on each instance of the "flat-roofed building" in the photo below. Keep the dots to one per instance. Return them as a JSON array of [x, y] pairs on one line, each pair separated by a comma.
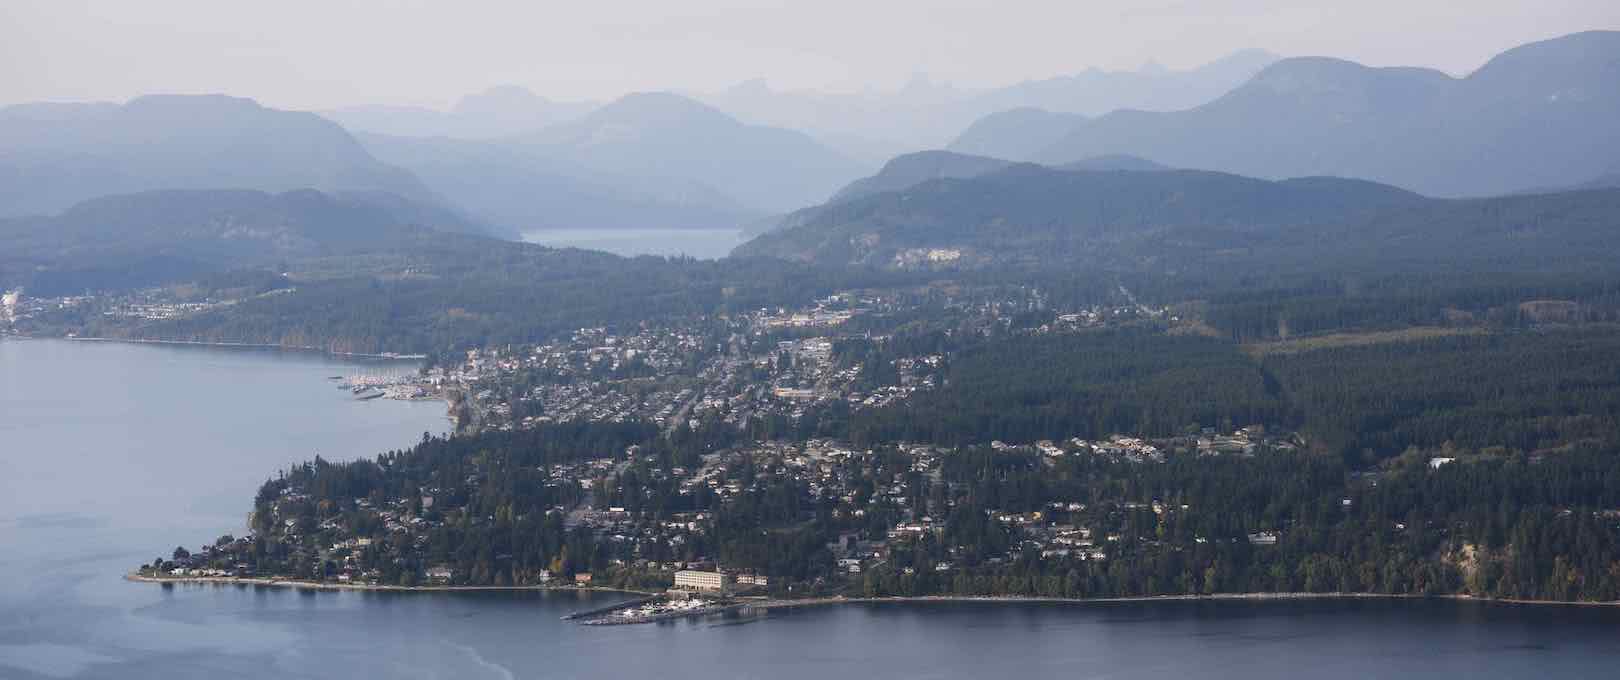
[[702, 580]]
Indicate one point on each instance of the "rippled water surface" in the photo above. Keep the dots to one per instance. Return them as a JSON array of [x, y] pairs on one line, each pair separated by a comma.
[[113, 454]]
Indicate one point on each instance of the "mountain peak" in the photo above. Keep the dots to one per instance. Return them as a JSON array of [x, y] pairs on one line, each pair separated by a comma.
[[1589, 57], [1247, 60], [658, 108], [908, 170], [1318, 74], [190, 104]]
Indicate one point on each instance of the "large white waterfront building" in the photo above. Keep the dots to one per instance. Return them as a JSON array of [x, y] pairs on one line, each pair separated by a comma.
[[702, 580]]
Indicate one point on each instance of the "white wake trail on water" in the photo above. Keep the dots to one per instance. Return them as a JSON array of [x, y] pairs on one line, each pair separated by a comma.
[[500, 671]]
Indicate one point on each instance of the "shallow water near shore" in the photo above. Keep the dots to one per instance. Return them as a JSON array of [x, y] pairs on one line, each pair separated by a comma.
[[112, 454]]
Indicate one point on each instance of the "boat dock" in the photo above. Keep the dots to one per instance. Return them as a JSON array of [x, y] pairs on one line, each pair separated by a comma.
[[599, 611]]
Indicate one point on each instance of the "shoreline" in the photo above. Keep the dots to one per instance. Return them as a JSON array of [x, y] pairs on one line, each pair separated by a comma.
[[1216, 597], [768, 604], [319, 585], [240, 345]]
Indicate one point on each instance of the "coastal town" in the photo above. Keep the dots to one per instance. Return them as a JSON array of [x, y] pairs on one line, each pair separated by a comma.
[[741, 368], [894, 506], [651, 518]]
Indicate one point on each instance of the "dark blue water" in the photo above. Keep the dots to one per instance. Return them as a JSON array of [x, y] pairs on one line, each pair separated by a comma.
[[111, 454]]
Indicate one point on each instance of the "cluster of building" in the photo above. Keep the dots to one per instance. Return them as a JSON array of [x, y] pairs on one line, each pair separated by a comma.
[[732, 369], [15, 307], [729, 371], [159, 311], [9, 302]]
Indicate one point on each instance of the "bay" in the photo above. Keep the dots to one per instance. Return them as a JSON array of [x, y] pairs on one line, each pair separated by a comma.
[[705, 244], [111, 454]]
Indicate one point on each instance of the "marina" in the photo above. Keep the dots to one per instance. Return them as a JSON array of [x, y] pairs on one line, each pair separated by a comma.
[[389, 384]]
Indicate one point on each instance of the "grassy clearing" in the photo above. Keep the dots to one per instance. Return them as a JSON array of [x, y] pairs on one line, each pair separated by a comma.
[[1332, 340]]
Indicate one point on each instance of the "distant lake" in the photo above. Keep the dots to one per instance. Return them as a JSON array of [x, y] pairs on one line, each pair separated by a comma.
[[699, 243], [112, 454]]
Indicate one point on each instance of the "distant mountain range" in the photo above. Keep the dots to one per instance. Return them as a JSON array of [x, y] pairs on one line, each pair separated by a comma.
[[663, 135], [158, 236], [1021, 133], [1032, 216], [526, 189], [507, 161], [497, 112], [644, 161], [651, 160], [928, 115], [1544, 114], [53, 156]]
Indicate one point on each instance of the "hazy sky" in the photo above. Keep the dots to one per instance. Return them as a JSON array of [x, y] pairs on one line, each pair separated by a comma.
[[327, 53]]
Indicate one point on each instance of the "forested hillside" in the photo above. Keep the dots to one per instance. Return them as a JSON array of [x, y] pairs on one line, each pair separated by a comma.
[[152, 238], [1192, 224]]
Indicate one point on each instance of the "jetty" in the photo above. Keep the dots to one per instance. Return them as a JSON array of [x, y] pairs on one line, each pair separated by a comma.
[[600, 611]]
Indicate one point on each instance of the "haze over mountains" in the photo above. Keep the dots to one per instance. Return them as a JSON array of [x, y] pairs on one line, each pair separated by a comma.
[[928, 115], [496, 112], [645, 160], [1544, 114], [515, 184], [667, 135], [506, 161], [55, 155]]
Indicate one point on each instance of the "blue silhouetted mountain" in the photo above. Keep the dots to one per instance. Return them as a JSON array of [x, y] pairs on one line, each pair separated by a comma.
[[670, 137], [925, 114], [53, 156], [1544, 114], [496, 112], [524, 188]]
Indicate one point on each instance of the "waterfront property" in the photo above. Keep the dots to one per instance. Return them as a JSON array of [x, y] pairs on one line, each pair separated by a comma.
[[705, 581]]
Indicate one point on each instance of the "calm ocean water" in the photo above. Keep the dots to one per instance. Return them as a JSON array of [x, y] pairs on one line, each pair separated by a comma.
[[700, 243], [112, 454]]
